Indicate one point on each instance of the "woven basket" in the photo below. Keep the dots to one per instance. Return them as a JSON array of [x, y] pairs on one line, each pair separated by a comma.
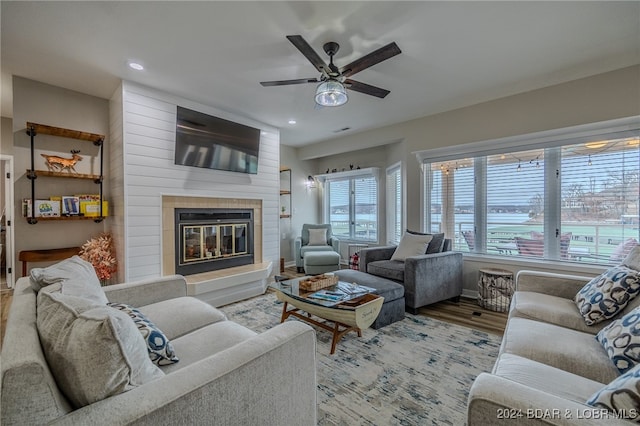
[[317, 282]]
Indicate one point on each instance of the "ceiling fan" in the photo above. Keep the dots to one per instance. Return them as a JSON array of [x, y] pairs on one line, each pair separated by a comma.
[[331, 90]]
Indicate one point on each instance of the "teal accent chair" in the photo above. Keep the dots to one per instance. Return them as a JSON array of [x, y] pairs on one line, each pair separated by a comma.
[[301, 243]]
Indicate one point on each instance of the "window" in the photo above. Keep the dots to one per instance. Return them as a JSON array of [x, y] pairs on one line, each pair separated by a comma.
[[394, 204], [576, 199], [351, 205]]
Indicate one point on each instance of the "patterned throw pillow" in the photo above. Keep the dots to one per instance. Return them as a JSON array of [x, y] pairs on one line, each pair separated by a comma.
[[607, 294], [621, 340], [160, 348], [622, 395]]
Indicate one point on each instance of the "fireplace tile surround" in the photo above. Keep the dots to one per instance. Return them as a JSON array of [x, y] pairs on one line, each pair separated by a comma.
[[170, 203]]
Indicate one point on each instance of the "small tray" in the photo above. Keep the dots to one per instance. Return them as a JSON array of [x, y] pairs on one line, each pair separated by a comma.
[[317, 282]]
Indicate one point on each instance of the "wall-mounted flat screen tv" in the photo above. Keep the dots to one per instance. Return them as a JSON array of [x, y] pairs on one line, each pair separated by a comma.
[[214, 143]]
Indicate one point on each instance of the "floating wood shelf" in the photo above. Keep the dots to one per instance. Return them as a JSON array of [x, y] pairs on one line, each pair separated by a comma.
[[43, 129], [285, 216], [94, 218], [65, 174], [283, 192]]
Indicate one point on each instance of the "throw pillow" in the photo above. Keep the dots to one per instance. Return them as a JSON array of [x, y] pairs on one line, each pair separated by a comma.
[[318, 237], [622, 395], [436, 245], [621, 340], [411, 245], [622, 250], [94, 351], [607, 294], [77, 276], [633, 259], [160, 349]]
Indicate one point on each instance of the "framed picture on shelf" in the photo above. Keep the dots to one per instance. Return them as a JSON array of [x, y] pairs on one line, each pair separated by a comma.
[[70, 206]]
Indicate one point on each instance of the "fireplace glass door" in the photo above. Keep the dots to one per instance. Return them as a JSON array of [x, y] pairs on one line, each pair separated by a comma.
[[208, 242]]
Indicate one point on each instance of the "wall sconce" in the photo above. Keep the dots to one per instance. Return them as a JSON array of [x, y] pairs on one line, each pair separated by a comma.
[[311, 182]]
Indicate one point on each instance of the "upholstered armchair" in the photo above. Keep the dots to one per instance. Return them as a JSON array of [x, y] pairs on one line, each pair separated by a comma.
[[314, 238], [427, 278]]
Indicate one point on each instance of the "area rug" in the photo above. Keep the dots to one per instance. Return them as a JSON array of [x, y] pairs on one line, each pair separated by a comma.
[[414, 372]]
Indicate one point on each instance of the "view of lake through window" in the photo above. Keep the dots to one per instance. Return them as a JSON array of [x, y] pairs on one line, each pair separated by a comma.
[[576, 202]]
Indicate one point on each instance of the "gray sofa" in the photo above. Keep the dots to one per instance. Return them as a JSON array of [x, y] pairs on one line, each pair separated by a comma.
[[427, 278], [549, 363], [227, 374]]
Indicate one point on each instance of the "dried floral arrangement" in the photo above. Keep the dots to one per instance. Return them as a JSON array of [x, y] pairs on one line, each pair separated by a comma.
[[100, 252]]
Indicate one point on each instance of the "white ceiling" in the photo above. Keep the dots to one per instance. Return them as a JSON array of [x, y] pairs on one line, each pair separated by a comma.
[[454, 54]]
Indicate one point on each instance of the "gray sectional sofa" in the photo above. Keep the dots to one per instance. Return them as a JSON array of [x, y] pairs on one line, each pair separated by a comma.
[[226, 374], [550, 363]]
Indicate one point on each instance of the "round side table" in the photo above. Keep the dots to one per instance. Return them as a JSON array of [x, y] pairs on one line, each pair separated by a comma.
[[495, 288]]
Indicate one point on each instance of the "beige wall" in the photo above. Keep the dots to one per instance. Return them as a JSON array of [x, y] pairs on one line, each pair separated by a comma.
[[41, 103]]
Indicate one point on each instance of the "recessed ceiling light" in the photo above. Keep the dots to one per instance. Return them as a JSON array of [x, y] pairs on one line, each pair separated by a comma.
[[292, 121], [136, 66]]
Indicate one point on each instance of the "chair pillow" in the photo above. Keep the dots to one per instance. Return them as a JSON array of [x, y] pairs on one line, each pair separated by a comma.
[[77, 276], [621, 396], [160, 349], [436, 245], [318, 237], [411, 245], [607, 294], [94, 351], [621, 340], [633, 259]]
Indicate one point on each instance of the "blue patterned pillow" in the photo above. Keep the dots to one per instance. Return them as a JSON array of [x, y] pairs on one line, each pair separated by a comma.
[[622, 395], [621, 340], [160, 348], [607, 294]]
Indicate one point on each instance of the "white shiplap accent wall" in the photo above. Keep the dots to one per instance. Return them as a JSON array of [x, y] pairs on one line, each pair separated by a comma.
[[149, 121]]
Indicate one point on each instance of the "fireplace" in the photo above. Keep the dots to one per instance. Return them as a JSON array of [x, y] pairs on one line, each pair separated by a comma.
[[209, 239]]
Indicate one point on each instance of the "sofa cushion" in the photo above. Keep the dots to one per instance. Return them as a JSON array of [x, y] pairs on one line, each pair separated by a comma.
[[411, 245], [621, 395], [621, 340], [207, 341], [390, 269], [436, 245], [551, 309], [93, 351], [558, 347], [318, 237], [545, 378], [607, 294], [194, 314], [77, 276], [158, 345]]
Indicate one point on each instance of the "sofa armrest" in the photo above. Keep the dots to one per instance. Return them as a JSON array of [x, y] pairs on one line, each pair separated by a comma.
[[560, 285], [368, 255], [269, 379], [443, 272], [146, 292], [498, 401]]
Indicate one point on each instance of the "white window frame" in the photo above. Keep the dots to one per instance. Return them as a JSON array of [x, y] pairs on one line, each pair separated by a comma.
[[548, 139], [351, 174], [392, 204]]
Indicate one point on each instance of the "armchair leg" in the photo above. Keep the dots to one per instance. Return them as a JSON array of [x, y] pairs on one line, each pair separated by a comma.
[[455, 299], [300, 270]]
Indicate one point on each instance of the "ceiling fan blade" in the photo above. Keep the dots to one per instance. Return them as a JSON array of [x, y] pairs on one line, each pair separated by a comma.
[[287, 82], [382, 54], [367, 89], [308, 52]]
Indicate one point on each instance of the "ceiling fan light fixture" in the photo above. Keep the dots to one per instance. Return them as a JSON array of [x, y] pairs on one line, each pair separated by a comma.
[[331, 93]]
